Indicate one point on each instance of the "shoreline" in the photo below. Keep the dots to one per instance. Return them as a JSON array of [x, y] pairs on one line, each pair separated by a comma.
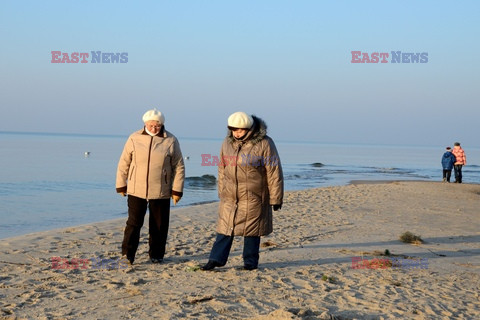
[[387, 181], [173, 209], [305, 264]]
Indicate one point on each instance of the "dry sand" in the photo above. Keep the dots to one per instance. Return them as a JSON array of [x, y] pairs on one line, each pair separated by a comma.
[[305, 265]]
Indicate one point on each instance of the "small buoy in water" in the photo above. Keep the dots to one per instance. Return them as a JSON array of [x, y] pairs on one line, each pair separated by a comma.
[[87, 154], [187, 158]]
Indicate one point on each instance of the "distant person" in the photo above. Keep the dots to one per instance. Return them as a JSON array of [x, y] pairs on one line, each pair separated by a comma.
[[250, 184], [150, 171], [461, 160], [448, 159]]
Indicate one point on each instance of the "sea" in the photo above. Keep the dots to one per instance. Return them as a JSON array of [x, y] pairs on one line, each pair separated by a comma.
[[50, 181]]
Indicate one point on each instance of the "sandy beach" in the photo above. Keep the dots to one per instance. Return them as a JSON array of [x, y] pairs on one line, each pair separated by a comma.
[[305, 267]]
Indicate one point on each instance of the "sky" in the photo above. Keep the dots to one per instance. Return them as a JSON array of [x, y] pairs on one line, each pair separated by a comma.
[[287, 62]]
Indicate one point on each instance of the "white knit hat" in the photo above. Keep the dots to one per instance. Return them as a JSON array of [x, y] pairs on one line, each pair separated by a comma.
[[240, 120], [154, 115]]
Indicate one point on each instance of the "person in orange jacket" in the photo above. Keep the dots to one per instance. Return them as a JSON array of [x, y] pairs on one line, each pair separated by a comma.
[[461, 160]]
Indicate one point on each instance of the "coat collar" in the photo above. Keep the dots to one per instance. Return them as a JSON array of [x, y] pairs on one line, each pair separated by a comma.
[[161, 133]]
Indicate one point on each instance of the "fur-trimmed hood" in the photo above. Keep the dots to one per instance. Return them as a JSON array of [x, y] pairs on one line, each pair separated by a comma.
[[257, 132]]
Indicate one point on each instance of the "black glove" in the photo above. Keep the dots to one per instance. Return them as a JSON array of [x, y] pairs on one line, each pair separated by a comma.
[[277, 207]]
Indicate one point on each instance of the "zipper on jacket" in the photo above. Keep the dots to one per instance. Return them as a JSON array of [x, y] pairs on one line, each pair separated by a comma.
[[148, 166], [239, 147], [247, 211]]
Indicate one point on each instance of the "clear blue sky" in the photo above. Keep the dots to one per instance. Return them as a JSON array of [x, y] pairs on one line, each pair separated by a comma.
[[288, 62]]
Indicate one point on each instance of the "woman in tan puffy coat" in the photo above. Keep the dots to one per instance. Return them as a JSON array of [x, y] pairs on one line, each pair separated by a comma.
[[150, 171], [250, 183]]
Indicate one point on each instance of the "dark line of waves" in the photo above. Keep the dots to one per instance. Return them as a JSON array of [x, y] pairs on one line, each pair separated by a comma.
[[207, 181]]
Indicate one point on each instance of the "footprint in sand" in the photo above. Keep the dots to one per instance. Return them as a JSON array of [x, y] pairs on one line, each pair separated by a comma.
[[114, 285]]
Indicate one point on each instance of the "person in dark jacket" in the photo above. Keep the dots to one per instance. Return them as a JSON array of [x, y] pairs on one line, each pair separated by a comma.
[[250, 185], [448, 160]]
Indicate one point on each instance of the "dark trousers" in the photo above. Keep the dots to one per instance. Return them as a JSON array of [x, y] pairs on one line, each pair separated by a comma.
[[223, 244], [458, 173], [447, 174], [158, 223]]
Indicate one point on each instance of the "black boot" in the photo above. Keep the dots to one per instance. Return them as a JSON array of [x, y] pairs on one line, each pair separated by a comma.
[[249, 267], [210, 265], [155, 260]]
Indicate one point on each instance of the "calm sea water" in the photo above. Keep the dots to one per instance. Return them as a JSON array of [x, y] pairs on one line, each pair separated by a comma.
[[47, 182]]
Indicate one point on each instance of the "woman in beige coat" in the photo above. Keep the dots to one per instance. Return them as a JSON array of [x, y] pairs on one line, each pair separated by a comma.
[[150, 171], [250, 183]]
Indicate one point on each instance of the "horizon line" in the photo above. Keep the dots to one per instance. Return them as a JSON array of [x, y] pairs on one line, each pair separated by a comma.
[[218, 139]]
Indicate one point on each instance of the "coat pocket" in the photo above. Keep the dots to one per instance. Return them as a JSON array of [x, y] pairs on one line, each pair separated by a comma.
[[131, 180], [132, 172], [165, 176]]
